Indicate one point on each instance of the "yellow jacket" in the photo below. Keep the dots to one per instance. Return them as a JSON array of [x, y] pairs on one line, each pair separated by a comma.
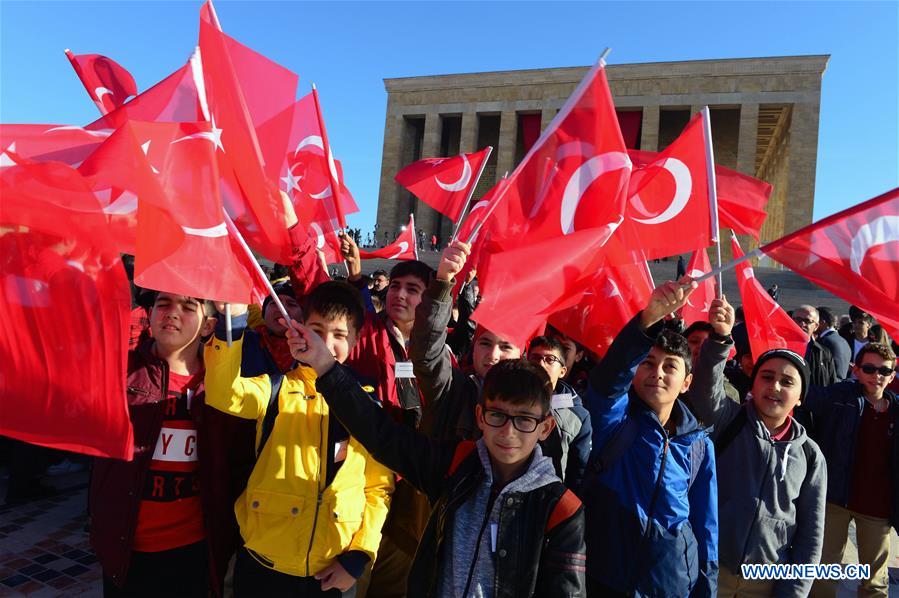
[[286, 514]]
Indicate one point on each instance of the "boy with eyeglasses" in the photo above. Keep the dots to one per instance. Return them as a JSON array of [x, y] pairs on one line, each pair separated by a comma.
[[856, 430], [570, 443], [502, 523]]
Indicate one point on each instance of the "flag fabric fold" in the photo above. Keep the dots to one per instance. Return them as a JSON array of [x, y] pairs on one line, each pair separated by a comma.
[[444, 183], [107, 82], [699, 303]]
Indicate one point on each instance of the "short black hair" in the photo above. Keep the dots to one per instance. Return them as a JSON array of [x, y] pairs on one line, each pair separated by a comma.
[[856, 313], [675, 344], [278, 272], [206, 305], [698, 325], [826, 317], [379, 272], [520, 382], [551, 343], [414, 268], [335, 299]]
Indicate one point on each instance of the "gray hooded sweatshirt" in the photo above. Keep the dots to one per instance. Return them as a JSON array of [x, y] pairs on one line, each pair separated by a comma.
[[771, 494], [473, 539]]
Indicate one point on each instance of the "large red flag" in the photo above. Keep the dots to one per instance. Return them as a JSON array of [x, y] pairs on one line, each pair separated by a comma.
[[198, 260], [574, 177], [404, 248], [304, 169], [444, 183], [668, 200], [768, 325], [65, 306], [68, 144], [741, 198], [250, 197], [853, 254], [107, 82], [700, 301]]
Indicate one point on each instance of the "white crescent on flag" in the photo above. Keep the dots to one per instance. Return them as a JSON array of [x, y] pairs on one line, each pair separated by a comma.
[[683, 186], [581, 180], [463, 181], [101, 91], [869, 235], [219, 230], [404, 247]]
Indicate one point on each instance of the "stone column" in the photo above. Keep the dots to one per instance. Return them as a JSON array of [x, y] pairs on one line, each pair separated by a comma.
[[803, 156], [468, 141], [546, 117], [389, 200], [505, 158], [747, 142], [649, 130], [426, 218]]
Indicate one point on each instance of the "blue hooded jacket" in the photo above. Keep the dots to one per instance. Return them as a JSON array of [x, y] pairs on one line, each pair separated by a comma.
[[652, 511]]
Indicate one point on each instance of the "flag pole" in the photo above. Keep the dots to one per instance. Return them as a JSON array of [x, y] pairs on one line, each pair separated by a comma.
[[717, 271], [477, 228], [232, 230], [713, 191], [329, 156], [603, 56], [414, 237], [471, 193]]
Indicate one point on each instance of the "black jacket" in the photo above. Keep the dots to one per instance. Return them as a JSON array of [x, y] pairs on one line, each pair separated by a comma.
[[540, 542]]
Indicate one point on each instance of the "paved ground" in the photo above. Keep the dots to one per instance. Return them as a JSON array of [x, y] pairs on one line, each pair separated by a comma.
[[45, 552]]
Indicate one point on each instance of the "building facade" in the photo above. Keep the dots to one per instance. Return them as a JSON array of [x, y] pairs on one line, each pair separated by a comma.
[[764, 114]]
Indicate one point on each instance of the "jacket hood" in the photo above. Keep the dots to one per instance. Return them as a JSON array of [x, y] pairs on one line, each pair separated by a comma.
[[540, 471], [782, 448]]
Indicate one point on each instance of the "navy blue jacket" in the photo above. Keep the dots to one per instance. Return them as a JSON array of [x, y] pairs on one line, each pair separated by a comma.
[[837, 410], [650, 532]]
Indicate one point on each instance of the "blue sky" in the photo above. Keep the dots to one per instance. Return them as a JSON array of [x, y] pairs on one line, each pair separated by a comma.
[[347, 48]]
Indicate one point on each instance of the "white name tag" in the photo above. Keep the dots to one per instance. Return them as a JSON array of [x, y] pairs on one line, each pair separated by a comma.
[[403, 369], [175, 444], [563, 401]]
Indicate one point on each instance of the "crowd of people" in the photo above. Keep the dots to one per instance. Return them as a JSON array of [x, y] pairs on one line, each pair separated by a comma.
[[379, 442]]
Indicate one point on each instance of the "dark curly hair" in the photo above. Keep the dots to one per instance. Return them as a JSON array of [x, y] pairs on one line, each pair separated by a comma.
[[519, 382], [673, 343]]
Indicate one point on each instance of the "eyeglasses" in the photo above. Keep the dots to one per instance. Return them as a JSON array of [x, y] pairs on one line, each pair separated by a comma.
[[548, 359], [806, 321], [522, 423], [871, 369]]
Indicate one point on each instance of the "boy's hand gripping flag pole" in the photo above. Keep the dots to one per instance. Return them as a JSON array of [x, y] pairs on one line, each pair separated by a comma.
[[713, 191], [471, 193]]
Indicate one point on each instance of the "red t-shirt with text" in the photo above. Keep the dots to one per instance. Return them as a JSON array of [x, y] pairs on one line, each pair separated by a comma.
[[170, 513]]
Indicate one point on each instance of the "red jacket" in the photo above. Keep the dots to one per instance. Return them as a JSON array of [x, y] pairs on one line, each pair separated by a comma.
[[116, 486]]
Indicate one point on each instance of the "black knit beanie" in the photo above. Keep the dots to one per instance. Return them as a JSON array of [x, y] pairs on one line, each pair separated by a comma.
[[791, 356]]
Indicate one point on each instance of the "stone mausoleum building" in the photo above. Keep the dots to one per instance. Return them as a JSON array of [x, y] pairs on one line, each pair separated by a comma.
[[764, 114]]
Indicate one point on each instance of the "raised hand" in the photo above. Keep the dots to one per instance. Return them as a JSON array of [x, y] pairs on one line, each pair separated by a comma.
[[666, 298], [453, 260], [722, 316], [308, 348], [350, 252]]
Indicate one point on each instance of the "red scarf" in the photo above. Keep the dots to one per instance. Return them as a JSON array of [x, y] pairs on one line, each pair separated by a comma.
[[277, 348]]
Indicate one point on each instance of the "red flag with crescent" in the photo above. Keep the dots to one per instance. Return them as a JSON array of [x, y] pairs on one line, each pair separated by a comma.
[[65, 307], [404, 248], [107, 82], [183, 244], [304, 170], [668, 199], [854, 254], [444, 183], [768, 325], [700, 300], [574, 177]]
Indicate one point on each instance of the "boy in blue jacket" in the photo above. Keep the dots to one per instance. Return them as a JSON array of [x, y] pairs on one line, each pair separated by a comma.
[[650, 495]]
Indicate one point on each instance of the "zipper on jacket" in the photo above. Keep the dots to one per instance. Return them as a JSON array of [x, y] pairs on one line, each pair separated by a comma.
[[477, 548], [318, 499], [652, 505]]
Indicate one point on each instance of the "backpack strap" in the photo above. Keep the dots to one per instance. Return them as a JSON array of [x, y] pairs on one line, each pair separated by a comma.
[[730, 432], [617, 445], [271, 412], [565, 508], [463, 450]]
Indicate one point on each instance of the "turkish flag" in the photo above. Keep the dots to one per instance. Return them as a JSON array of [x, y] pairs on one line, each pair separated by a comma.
[[198, 260], [741, 198], [404, 248], [444, 183], [65, 305], [304, 170], [522, 287], [327, 242], [768, 325], [574, 177], [107, 82], [854, 254], [617, 293], [68, 144], [668, 200], [475, 229], [698, 304], [250, 197]]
